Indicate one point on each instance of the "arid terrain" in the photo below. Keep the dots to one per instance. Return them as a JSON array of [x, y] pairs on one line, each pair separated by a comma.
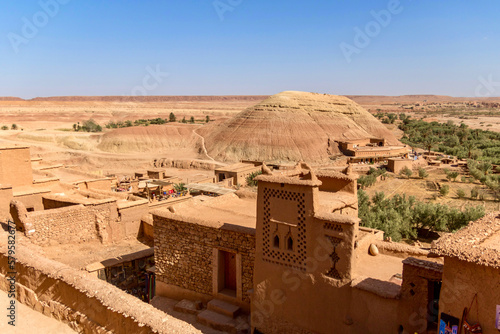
[[46, 124]]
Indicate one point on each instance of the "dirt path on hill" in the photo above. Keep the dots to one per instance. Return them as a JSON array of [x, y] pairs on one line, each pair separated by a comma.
[[203, 145]]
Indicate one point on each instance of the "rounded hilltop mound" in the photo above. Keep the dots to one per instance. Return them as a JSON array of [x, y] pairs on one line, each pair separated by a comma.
[[293, 126]]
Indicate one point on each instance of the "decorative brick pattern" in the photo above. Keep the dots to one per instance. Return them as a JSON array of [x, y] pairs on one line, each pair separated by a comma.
[[295, 258], [333, 272]]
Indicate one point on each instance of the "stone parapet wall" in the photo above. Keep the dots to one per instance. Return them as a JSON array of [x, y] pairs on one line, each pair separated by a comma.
[[85, 303], [183, 254], [72, 224]]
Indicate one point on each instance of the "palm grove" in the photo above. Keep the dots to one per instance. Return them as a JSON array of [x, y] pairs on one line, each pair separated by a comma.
[[402, 217]]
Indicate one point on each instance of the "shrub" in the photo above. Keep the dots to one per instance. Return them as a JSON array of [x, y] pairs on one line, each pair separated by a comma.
[[445, 189], [422, 173], [179, 187], [474, 192], [251, 181], [460, 193], [171, 117], [451, 175], [89, 126], [406, 172]]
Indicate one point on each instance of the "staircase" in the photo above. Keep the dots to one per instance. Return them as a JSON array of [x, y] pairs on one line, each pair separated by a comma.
[[219, 315]]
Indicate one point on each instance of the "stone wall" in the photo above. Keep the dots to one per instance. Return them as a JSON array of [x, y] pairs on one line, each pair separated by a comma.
[[86, 304], [184, 254], [73, 224]]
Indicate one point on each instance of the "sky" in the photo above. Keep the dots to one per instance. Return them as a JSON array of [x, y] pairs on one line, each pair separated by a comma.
[[249, 47]]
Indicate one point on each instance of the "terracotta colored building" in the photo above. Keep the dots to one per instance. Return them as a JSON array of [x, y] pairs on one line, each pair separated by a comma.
[[472, 270], [237, 173]]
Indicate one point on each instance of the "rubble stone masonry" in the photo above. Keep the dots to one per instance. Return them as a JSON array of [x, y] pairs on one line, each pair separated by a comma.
[[183, 253]]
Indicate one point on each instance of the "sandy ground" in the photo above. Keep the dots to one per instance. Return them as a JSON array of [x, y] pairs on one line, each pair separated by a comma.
[[29, 321]]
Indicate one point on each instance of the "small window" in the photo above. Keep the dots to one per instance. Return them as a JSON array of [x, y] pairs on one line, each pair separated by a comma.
[[276, 241], [31, 209], [289, 244]]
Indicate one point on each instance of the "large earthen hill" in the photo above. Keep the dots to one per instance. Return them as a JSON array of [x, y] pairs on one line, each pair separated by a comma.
[[293, 126]]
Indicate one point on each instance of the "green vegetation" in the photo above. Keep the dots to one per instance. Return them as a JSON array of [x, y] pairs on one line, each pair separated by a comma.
[[207, 119], [171, 117], [369, 180], [422, 173], [445, 190], [451, 175], [454, 140], [88, 126], [251, 181], [5, 127], [481, 172], [179, 187], [147, 122], [401, 217], [138, 122], [13, 127], [406, 172]]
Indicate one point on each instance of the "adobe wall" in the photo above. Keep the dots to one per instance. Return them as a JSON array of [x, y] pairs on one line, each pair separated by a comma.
[[330, 184], [31, 200], [316, 292], [147, 229], [307, 289], [5, 198], [15, 166], [184, 255], [461, 280], [86, 304], [396, 165], [100, 184], [55, 203], [241, 177], [130, 214], [416, 304]]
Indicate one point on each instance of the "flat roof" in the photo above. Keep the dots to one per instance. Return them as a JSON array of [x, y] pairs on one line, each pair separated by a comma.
[[238, 167], [210, 188], [120, 259], [478, 243], [377, 148], [329, 201], [227, 211]]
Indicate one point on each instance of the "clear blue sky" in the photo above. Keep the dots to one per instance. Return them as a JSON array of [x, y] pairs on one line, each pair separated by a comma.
[[258, 47]]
